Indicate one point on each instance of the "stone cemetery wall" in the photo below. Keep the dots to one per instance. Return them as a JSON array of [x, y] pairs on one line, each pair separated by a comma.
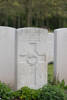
[[7, 55], [60, 57], [50, 47], [31, 57]]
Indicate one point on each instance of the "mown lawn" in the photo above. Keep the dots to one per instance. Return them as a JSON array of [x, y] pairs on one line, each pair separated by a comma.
[[50, 72]]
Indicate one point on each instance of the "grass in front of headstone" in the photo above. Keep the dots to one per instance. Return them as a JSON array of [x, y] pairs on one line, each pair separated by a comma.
[[50, 72], [49, 91]]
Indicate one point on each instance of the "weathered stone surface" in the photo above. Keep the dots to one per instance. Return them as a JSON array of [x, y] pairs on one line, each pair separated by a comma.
[[31, 57], [50, 47], [60, 57], [7, 55]]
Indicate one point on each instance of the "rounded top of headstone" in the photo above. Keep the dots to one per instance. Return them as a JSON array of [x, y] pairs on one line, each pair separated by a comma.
[[4, 31], [6, 27], [60, 29], [32, 29]]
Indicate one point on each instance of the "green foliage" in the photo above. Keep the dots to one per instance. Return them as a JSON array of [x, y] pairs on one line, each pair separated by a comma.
[[5, 92], [38, 13], [48, 92], [52, 92], [27, 94], [55, 90], [51, 79], [60, 84]]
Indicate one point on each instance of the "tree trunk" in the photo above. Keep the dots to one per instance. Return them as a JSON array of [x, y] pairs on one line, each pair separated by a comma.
[[18, 21], [6, 20], [29, 18]]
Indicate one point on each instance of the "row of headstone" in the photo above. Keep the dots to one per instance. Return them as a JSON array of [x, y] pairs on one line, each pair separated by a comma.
[[24, 56]]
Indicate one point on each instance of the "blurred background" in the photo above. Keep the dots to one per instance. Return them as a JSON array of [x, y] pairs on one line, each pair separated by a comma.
[[50, 14]]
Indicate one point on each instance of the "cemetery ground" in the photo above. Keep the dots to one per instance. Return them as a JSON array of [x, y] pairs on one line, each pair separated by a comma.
[[50, 72], [52, 91]]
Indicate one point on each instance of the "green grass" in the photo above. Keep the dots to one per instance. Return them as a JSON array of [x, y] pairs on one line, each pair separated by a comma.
[[50, 72]]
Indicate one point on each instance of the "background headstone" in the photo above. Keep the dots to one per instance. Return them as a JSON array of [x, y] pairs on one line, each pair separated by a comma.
[[60, 57], [7, 56], [50, 47], [31, 57]]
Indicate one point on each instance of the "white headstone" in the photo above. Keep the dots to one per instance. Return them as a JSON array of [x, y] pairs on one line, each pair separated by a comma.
[[7, 56], [50, 47], [60, 57], [32, 57]]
